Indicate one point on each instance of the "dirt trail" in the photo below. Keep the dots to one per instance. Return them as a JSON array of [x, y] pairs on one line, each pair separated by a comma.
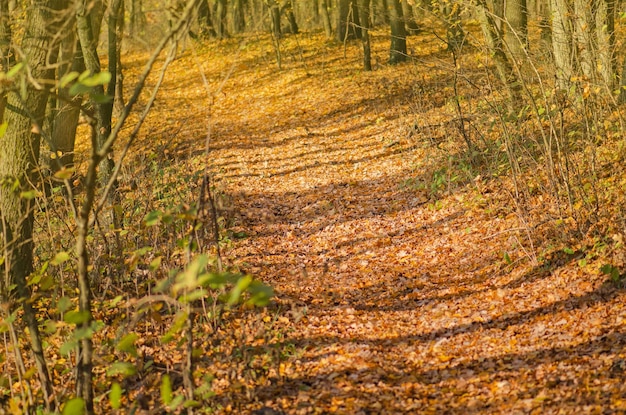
[[405, 305]]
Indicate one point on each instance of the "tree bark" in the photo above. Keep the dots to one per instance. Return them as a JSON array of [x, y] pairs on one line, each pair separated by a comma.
[[219, 15], [287, 9], [605, 35], [18, 171], [561, 43], [398, 51], [364, 12], [516, 30], [409, 18], [504, 69], [328, 29]]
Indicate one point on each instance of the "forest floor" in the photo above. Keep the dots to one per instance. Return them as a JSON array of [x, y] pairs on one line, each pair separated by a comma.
[[406, 279]]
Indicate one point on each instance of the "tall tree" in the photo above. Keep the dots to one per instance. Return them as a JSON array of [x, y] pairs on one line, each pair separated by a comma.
[[20, 144], [562, 42], [493, 38], [287, 10], [220, 13], [398, 52], [324, 12], [364, 12], [516, 30], [348, 24], [409, 18]]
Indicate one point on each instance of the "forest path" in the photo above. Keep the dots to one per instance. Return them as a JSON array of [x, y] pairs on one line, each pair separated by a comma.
[[398, 299]]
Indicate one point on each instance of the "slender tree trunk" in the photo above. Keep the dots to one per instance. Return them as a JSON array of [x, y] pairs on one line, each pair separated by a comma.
[[343, 21], [18, 167], [287, 9], [561, 43], [6, 54], [118, 104], [238, 19], [220, 18], [398, 51], [605, 35], [583, 33], [498, 13], [364, 12], [205, 21], [66, 115], [409, 18], [274, 10], [328, 29], [137, 21]]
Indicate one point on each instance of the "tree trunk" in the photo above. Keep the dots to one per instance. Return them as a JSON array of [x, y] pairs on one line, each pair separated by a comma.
[[398, 51], [238, 16], [364, 13], [605, 36], [343, 21], [287, 9], [137, 21], [66, 115], [220, 19], [205, 21], [18, 166], [561, 43], [7, 56], [516, 30], [119, 103], [503, 66], [498, 13], [274, 10], [409, 18], [323, 7], [583, 32]]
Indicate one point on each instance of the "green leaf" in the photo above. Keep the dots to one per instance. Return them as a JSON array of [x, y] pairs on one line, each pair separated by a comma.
[[65, 173], [101, 98], [127, 344], [176, 402], [28, 195], [115, 396], [507, 258], [67, 347], [75, 406], [611, 271], [78, 89], [121, 368], [60, 258], [64, 304], [260, 294], [239, 288], [152, 218], [568, 251], [116, 301], [67, 78], [166, 390], [14, 70], [101, 78], [193, 296], [155, 263], [77, 317]]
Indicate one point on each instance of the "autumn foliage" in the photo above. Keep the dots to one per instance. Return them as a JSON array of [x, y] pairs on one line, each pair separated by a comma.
[[426, 252]]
